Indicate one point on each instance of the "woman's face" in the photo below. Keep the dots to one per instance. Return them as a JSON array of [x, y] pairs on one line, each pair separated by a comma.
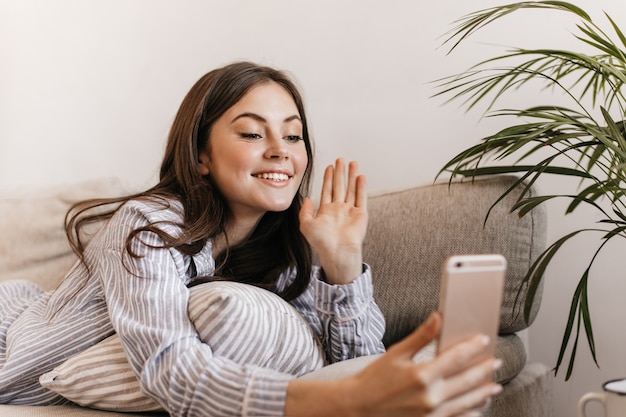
[[256, 154]]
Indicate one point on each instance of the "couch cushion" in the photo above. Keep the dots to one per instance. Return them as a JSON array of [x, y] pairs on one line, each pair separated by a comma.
[[33, 244], [412, 231], [528, 395], [246, 324], [353, 366], [512, 351], [509, 348]]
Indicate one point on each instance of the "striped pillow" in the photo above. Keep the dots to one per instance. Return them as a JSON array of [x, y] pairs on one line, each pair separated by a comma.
[[246, 324], [100, 377]]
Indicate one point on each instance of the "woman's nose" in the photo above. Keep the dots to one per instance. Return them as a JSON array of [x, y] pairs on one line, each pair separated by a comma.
[[276, 148]]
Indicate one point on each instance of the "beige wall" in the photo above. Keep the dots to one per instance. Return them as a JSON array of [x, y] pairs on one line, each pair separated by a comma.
[[89, 88]]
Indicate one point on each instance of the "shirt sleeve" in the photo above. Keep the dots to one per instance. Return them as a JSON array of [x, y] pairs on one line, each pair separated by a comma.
[[344, 317], [148, 308]]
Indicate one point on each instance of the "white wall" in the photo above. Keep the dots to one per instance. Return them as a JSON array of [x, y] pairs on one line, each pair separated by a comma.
[[89, 89]]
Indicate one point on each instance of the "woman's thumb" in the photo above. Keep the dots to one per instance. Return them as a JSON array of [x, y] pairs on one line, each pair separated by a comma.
[[419, 338], [307, 210]]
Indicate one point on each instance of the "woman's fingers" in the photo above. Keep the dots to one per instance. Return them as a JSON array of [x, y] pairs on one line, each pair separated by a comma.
[[361, 192], [454, 381], [335, 189], [339, 181], [474, 376], [468, 384], [446, 386], [460, 356], [307, 211], [468, 403], [353, 168], [469, 389], [327, 185]]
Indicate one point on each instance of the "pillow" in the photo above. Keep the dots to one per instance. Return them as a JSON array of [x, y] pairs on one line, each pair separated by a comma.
[[100, 377], [251, 325], [246, 324]]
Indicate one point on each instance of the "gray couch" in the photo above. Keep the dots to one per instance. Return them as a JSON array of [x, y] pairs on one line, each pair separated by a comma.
[[410, 234]]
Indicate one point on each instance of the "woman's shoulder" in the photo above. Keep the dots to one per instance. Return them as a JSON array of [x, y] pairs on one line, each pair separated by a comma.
[[154, 208], [139, 213], [164, 213]]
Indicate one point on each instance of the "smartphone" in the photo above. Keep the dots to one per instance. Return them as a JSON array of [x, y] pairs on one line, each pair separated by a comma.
[[470, 299]]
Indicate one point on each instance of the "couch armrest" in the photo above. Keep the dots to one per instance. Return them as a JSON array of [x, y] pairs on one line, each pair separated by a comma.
[[412, 231]]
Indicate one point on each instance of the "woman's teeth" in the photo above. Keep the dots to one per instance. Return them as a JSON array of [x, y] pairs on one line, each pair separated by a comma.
[[274, 176]]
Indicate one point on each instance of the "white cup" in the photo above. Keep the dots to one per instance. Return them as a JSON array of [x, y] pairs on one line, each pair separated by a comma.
[[613, 399]]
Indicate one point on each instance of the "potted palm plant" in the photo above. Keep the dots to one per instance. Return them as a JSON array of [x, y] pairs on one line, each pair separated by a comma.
[[585, 139]]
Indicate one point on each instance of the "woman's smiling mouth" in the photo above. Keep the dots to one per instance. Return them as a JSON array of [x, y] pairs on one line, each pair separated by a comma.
[[273, 176]]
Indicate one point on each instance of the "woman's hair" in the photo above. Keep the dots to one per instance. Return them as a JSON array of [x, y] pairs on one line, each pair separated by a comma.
[[275, 245]]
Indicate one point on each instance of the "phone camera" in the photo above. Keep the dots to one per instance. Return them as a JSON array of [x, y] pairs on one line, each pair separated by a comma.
[[458, 264]]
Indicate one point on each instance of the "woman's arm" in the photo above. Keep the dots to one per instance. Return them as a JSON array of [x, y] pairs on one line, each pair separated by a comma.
[[395, 385], [350, 323], [344, 317]]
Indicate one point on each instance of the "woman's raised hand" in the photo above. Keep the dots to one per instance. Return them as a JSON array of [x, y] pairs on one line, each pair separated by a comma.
[[337, 230]]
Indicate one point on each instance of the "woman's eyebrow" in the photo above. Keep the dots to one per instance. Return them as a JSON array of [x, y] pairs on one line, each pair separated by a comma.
[[292, 118], [262, 119]]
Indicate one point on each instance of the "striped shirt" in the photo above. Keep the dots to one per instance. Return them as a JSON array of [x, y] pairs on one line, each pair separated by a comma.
[[148, 309]]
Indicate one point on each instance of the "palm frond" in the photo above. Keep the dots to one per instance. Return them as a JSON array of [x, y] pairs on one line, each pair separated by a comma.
[[617, 30], [580, 141], [475, 21]]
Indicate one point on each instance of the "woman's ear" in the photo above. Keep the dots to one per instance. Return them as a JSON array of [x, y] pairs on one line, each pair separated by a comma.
[[203, 163]]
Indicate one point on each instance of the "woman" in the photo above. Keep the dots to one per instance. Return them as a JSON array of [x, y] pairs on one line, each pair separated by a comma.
[[230, 203]]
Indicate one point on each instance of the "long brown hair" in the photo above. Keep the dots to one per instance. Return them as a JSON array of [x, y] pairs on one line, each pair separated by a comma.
[[275, 245]]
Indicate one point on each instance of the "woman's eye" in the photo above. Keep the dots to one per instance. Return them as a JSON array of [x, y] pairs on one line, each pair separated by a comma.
[[293, 138], [250, 135]]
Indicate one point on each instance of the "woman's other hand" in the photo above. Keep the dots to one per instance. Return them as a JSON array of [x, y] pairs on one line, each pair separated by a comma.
[[394, 385], [337, 230], [445, 386]]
